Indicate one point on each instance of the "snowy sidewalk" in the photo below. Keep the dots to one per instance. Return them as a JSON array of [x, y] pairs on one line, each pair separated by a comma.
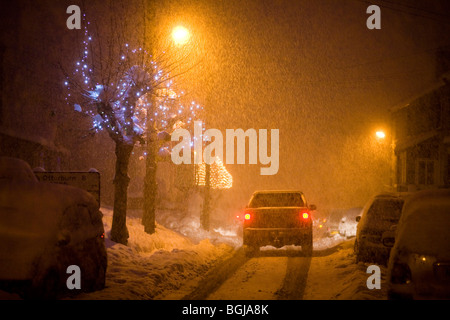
[[334, 275], [152, 266]]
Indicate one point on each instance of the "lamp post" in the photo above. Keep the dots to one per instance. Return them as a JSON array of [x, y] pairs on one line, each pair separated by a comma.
[[150, 184], [180, 36], [387, 145]]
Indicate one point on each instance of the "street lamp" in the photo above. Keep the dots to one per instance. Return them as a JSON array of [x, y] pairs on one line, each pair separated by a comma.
[[180, 35], [380, 134], [386, 149]]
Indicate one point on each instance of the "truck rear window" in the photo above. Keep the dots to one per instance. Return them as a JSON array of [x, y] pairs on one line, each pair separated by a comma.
[[276, 200]]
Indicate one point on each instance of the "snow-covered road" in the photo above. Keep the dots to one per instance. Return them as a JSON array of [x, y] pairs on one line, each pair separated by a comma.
[[330, 274], [266, 278], [170, 266]]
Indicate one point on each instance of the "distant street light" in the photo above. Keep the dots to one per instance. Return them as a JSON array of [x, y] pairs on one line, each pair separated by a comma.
[[180, 35]]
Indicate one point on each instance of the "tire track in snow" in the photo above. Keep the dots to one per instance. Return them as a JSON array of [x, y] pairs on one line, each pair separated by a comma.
[[217, 276], [295, 280], [258, 279], [268, 276]]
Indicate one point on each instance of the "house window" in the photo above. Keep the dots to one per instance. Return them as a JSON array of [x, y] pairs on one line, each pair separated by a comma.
[[426, 172]]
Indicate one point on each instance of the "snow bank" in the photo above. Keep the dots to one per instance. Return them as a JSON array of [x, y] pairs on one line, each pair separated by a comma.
[[319, 244], [328, 242], [189, 225], [152, 266], [334, 275]]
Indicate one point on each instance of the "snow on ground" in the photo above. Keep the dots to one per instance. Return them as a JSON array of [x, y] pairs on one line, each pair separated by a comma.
[[152, 265], [328, 242], [331, 274], [257, 279], [334, 275], [188, 224], [319, 244], [158, 266]]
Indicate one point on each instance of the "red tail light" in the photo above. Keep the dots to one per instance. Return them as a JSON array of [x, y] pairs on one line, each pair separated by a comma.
[[247, 216], [305, 215], [102, 235]]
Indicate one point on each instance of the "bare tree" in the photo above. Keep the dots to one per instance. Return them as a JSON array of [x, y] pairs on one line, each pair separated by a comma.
[[118, 83]]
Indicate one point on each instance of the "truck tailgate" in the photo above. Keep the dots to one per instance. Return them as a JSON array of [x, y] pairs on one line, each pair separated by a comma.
[[277, 217]]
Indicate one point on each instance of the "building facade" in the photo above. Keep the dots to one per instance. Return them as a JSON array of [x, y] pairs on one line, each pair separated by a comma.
[[421, 139]]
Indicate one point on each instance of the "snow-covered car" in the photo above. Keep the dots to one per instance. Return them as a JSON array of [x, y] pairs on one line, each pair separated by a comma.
[[419, 265], [332, 222], [388, 237], [278, 218], [44, 229], [320, 228], [378, 215], [348, 224]]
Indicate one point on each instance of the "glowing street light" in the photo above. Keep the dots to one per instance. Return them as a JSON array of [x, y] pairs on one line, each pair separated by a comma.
[[380, 134], [180, 35]]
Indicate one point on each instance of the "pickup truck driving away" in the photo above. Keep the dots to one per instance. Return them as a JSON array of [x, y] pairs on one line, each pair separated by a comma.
[[277, 218]]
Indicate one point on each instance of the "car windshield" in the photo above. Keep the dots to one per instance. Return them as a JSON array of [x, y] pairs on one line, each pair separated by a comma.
[[277, 200], [386, 209]]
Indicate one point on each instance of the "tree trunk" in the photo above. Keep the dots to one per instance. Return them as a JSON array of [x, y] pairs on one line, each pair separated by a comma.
[[119, 231], [204, 218], [150, 184]]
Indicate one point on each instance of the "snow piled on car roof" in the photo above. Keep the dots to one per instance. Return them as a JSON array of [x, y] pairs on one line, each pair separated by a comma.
[[425, 223]]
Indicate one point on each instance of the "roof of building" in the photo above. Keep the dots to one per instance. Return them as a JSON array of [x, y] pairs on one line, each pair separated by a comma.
[[442, 81]]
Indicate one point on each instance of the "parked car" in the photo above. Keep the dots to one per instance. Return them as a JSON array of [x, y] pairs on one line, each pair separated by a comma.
[[44, 229], [378, 215], [347, 225], [320, 229], [419, 265], [278, 218], [333, 221]]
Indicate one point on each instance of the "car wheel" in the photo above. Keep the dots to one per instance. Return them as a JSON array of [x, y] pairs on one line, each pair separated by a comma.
[[102, 265], [93, 265], [46, 286]]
